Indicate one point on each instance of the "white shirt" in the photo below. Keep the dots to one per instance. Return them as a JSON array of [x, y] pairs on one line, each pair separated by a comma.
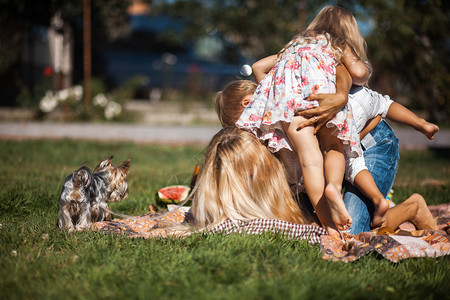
[[365, 105]]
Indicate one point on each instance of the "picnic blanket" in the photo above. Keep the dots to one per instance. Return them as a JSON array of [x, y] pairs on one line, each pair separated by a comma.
[[144, 227], [394, 246]]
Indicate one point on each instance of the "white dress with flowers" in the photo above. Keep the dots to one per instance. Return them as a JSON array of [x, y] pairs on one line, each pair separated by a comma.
[[303, 68]]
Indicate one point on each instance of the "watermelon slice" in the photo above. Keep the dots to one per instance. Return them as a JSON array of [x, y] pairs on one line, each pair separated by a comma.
[[172, 195]]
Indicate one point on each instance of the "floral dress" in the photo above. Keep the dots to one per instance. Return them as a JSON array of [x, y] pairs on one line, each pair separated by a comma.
[[303, 68]]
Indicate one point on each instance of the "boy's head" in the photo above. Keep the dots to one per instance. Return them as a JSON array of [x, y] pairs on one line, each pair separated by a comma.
[[230, 102]]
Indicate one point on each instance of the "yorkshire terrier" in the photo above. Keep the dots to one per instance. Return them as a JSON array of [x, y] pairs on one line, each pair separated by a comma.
[[84, 194]]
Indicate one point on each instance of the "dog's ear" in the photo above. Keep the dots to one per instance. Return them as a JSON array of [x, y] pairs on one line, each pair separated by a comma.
[[104, 164], [125, 166]]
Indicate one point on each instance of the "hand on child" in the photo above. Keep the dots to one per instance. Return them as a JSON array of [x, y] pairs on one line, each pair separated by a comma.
[[329, 106]]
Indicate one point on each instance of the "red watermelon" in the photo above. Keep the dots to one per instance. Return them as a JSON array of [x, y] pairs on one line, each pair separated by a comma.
[[172, 195]]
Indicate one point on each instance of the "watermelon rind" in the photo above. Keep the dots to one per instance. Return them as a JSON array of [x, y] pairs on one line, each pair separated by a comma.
[[163, 200]]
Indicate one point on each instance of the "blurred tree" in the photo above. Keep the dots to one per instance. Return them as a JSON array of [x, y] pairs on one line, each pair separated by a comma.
[[409, 46], [258, 27], [408, 41], [16, 18]]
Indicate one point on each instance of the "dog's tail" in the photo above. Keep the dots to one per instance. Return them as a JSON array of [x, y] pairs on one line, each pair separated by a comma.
[[82, 178]]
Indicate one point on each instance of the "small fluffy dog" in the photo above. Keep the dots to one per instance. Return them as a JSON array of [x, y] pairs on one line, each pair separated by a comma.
[[84, 194]]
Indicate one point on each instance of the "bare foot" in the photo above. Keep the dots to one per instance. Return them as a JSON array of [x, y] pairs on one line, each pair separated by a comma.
[[339, 213], [423, 219], [332, 231], [429, 129], [379, 213]]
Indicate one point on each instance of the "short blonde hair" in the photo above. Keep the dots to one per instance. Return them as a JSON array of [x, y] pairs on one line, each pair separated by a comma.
[[228, 102]]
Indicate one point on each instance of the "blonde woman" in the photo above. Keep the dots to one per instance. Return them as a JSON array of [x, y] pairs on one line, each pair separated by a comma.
[[239, 180]]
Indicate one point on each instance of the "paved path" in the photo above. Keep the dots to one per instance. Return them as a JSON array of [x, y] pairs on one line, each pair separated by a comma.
[[108, 132], [409, 139]]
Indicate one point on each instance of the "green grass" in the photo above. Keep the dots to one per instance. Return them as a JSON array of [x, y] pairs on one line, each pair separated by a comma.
[[37, 261]]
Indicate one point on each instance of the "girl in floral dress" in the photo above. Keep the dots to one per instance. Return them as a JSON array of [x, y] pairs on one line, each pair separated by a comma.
[[307, 65]]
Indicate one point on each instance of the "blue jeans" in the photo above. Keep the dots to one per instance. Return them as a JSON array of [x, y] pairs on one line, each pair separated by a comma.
[[380, 148]]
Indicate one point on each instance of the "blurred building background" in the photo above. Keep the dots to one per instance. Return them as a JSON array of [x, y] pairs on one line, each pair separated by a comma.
[[174, 49]]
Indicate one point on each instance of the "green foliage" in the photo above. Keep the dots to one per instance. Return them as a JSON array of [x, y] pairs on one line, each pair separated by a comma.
[[409, 46], [260, 28], [408, 40], [37, 261]]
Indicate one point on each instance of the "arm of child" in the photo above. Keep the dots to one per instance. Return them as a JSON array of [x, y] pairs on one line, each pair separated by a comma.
[[329, 104], [357, 69], [400, 114], [263, 66]]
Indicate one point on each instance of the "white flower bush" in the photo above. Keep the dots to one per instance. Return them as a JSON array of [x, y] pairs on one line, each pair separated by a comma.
[[48, 103], [51, 99], [107, 108], [100, 100], [113, 109]]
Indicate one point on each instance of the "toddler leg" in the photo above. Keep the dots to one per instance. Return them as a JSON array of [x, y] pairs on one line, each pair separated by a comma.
[[400, 114], [334, 166], [365, 183], [311, 161]]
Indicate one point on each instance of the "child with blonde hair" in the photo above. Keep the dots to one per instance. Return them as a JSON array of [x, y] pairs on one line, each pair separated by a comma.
[[306, 65], [230, 102]]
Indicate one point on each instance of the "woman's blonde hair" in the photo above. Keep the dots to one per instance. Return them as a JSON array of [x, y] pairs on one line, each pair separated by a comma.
[[240, 180], [228, 102], [342, 29]]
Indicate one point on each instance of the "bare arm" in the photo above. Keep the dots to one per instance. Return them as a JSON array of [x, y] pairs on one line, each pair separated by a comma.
[[263, 66], [329, 104], [356, 68]]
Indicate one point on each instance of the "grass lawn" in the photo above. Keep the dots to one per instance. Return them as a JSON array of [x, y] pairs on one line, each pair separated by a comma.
[[37, 261]]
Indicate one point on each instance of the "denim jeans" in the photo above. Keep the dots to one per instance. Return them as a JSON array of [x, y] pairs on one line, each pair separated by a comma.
[[380, 149]]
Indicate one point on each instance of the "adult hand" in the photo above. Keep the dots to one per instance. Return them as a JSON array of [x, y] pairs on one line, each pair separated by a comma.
[[329, 106]]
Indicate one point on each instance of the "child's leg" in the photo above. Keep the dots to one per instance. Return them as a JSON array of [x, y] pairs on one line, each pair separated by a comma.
[[414, 210], [365, 183], [334, 166], [400, 114], [311, 161]]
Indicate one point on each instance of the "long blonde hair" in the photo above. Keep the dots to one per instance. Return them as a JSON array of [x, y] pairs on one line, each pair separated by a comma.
[[228, 102], [241, 180], [342, 29]]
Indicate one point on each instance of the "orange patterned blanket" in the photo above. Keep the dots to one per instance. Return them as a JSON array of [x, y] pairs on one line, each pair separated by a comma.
[[395, 246]]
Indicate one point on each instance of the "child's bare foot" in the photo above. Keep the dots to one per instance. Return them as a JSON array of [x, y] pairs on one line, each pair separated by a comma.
[[332, 231], [339, 213], [423, 219], [429, 129], [379, 213]]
